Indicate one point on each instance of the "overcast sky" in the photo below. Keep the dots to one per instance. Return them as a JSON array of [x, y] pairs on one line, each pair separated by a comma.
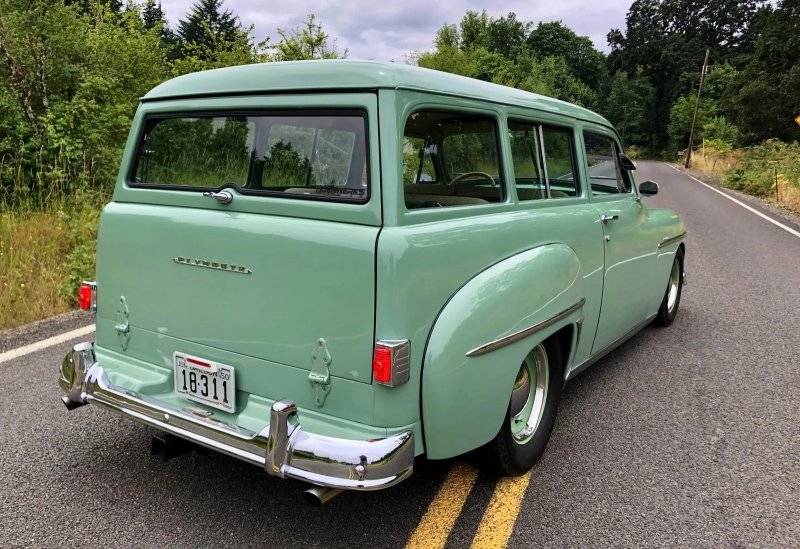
[[372, 29]]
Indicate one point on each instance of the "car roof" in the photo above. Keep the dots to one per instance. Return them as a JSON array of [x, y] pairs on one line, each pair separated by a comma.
[[346, 74]]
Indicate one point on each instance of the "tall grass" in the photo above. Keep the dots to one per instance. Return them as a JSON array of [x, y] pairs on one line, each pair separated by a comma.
[[770, 170], [46, 248]]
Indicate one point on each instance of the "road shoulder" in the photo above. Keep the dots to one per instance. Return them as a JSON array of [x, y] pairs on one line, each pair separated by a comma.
[[766, 207], [42, 329]]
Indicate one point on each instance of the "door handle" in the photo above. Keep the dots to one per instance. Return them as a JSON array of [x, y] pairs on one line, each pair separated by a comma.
[[606, 218], [223, 197]]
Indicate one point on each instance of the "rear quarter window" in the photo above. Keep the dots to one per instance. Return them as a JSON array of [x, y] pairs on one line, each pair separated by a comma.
[[451, 159]]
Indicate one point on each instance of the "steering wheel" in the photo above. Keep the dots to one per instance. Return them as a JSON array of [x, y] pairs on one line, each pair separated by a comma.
[[463, 176]]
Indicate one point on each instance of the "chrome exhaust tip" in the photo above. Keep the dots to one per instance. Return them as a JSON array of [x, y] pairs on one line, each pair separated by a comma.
[[320, 495], [70, 404]]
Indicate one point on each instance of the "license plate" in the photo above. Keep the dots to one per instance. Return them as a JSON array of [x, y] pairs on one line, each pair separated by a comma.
[[205, 381]]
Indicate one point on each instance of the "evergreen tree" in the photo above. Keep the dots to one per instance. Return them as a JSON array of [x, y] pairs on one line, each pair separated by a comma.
[[152, 14], [207, 28]]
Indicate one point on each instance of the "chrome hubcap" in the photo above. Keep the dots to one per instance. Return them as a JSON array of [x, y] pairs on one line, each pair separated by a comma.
[[528, 395], [672, 289]]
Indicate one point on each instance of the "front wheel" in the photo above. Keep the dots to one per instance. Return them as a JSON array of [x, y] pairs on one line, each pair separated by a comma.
[[531, 412], [672, 297]]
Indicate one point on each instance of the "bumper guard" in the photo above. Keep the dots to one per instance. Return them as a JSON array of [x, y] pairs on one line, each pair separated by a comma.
[[283, 448]]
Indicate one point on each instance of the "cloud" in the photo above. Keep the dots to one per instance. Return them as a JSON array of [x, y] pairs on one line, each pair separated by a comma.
[[374, 29]]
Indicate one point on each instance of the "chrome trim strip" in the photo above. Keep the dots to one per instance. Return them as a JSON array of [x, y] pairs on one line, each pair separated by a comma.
[[671, 240], [522, 334], [283, 448], [607, 349]]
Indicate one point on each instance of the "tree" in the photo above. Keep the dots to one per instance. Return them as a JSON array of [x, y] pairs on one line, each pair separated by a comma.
[[308, 41], [208, 28], [210, 37], [554, 39], [551, 60], [549, 76], [629, 101], [680, 120], [69, 85], [503, 35], [763, 98], [665, 38], [152, 15]]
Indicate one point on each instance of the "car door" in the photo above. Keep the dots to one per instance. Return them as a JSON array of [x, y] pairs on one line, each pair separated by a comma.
[[629, 256]]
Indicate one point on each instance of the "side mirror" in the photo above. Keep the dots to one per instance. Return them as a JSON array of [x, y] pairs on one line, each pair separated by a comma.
[[648, 188], [626, 163]]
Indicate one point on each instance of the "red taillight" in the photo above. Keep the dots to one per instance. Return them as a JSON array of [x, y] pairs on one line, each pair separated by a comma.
[[86, 297], [382, 365], [390, 362]]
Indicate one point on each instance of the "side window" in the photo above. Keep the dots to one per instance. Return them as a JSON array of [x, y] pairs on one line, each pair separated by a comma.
[[559, 161], [526, 155], [544, 156], [451, 159], [605, 175]]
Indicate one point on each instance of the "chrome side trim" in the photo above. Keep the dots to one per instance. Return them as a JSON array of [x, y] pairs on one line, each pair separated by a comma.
[[607, 349], [283, 448], [522, 334], [671, 240]]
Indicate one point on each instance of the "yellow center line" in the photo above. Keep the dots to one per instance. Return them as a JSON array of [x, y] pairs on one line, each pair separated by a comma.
[[435, 526], [501, 514]]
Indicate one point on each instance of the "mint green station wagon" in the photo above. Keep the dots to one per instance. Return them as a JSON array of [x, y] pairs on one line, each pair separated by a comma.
[[330, 268]]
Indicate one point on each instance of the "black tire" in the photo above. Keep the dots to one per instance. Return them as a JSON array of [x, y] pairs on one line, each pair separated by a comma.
[[504, 455], [666, 315]]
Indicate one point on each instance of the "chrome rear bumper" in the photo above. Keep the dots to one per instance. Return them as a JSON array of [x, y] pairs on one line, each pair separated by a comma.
[[283, 448]]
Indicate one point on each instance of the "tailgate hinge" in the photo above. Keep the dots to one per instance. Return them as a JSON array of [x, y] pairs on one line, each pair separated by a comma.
[[123, 328], [320, 375]]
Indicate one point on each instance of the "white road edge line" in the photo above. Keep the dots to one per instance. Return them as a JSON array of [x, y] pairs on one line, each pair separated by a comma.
[[45, 343], [739, 202]]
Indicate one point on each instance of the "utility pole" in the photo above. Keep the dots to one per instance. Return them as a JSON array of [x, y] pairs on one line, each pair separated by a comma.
[[696, 107]]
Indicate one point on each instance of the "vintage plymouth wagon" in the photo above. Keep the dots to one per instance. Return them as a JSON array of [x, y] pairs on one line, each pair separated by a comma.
[[330, 268]]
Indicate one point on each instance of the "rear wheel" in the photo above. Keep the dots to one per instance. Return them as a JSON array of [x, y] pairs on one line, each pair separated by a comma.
[[672, 297], [530, 414]]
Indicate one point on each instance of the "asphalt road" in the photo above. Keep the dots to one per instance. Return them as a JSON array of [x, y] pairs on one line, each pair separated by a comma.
[[684, 436]]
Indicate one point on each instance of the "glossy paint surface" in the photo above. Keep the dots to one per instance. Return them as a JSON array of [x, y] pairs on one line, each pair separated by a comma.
[[304, 275], [447, 279], [345, 74], [432, 264]]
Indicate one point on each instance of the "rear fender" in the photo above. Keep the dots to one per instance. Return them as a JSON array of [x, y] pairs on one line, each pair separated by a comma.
[[465, 398]]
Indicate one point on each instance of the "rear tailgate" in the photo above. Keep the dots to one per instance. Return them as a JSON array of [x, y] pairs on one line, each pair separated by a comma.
[[258, 281], [263, 286]]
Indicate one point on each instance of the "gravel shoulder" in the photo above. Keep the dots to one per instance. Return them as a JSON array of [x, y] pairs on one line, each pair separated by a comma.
[[42, 329]]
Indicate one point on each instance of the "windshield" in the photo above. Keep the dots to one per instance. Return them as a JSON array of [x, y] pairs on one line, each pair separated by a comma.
[[301, 155]]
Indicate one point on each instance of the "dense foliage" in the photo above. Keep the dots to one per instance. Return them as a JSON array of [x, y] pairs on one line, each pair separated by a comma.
[[71, 74], [648, 82]]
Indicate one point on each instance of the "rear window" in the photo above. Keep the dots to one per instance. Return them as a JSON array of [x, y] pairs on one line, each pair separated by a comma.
[[298, 155]]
